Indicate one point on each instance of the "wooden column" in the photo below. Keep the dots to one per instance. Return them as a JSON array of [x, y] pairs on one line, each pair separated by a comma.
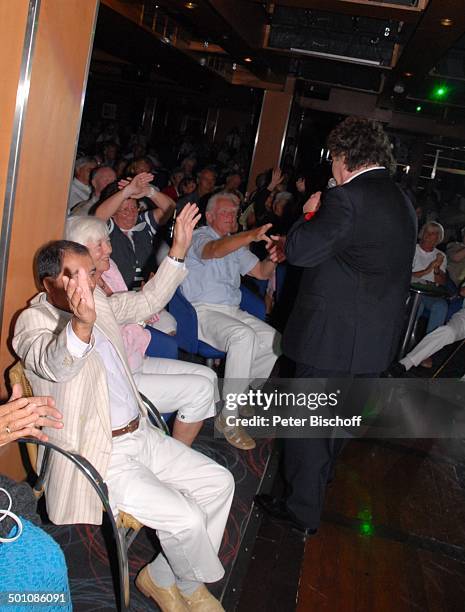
[[59, 68], [271, 133]]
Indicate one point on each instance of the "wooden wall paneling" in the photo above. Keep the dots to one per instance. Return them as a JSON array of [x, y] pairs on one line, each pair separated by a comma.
[[58, 79], [271, 133], [13, 17]]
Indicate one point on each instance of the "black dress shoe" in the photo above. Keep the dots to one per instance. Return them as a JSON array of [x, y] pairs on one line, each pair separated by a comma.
[[276, 508]]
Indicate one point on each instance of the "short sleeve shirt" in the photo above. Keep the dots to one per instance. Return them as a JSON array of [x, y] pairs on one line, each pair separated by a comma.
[[215, 281], [422, 260]]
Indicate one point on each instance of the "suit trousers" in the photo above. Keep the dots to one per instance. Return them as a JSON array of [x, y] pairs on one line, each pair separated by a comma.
[[171, 384], [251, 345], [177, 491], [308, 463]]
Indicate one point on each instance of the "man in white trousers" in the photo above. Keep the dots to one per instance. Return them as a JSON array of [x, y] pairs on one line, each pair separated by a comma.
[[452, 331], [216, 260], [71, 347]]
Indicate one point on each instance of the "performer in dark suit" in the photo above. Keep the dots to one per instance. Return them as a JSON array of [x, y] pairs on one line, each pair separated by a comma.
[[356, 250]]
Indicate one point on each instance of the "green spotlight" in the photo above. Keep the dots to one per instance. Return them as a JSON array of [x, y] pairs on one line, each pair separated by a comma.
[[440, 92], [418, 109]]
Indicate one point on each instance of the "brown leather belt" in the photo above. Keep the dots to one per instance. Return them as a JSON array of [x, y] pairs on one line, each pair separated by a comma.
[[129, 428]]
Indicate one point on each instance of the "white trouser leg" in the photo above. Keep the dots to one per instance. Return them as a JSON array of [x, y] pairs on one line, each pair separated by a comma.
[[179, 492], [251, 345], [172, 385], [436, 340]]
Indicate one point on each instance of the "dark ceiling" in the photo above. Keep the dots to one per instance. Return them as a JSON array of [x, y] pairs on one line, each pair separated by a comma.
[[399, 51]]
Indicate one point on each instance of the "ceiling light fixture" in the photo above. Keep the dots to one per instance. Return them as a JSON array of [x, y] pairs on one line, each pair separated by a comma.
[[342, 58], [247, 59], [446, 22], [408, 74], [190, 5]]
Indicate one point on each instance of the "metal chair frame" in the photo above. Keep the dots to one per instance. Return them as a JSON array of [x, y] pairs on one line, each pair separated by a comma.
[[126, 527]]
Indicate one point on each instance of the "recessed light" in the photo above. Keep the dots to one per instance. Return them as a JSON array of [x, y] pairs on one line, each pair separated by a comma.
[[247, 59], [408, 74], [446, 22], [190, 5]]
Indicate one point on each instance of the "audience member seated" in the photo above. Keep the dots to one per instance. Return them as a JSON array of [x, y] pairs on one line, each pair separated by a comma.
[[100, 178], [22, 416], [429, 266], [80, 189], [30, 560], [456, 260], [172, 190], [217, 258], [232, 183], [132, 234], [421, 355], [187, 186], [110, 154], [71, 347], [205, 186], [171, 385]]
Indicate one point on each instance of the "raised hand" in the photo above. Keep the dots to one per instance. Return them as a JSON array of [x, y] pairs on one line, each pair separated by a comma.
[[80, 297], [300, 185], [185, 224], [138, 187], [276, 179], [22, 417]]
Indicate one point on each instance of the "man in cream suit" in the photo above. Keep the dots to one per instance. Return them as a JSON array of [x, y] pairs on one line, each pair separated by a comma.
[[71, 347]]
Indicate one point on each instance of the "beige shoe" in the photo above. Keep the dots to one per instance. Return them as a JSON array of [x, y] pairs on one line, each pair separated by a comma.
[[234, 434], [167, 599], [202, 600], [247, 410]]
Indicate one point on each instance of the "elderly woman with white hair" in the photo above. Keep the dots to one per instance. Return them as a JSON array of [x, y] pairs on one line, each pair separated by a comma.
[[171, 385], [429, 266]]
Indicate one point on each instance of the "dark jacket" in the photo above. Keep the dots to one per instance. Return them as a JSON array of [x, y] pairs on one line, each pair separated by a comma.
[[357, 252]]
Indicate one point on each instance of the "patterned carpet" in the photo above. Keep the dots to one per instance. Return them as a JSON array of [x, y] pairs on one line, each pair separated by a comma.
[[87, 555]]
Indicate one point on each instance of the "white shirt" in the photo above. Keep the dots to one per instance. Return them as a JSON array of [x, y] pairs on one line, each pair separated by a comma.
[[78, 193], [82, 209], [123, 403], [363, 172], [422, 260]]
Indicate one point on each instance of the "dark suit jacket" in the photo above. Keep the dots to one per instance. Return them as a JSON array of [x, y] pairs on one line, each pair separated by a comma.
[[357, 254]]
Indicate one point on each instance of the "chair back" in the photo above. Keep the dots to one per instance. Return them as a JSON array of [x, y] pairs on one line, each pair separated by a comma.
[[186, 319], [16, 375], [252, 303]]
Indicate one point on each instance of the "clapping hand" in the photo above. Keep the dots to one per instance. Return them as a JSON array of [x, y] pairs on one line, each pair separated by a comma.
[[23, 416]]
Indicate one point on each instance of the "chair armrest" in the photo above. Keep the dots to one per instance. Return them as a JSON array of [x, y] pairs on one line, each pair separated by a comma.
[[85, 467], [154, 416]]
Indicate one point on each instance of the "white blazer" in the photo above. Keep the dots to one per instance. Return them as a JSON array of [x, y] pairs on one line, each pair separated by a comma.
[[80, 385]]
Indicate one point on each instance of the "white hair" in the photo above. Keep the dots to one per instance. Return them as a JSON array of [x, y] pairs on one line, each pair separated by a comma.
[[283, 195], [437, 226], [222, 195], [85, 230], [82, 161]]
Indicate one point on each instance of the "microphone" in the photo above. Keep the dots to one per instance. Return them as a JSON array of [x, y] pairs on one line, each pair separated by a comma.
[[331, 183]]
